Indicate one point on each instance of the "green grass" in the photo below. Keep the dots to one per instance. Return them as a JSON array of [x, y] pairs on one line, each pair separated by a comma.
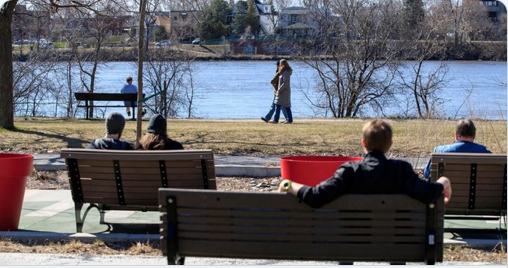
[[254, 137]]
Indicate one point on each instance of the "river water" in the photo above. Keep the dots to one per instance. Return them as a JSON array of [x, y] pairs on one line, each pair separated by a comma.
[[241, 89]]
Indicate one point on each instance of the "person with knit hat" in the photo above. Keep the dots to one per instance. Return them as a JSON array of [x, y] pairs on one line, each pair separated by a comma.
[[157, 136], [115, 123]]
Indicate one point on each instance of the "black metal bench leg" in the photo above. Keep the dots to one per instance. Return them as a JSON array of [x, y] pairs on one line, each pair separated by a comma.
[[79, 220]]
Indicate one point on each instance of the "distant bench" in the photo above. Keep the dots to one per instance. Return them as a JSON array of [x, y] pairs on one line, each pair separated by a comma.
[[387, 228], [478, 182], [129, 180], [89, 97]]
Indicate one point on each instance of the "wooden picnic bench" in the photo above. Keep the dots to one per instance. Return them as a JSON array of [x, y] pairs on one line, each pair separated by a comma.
[[91, 97], [478, 182], [385, 228], [129, 180]]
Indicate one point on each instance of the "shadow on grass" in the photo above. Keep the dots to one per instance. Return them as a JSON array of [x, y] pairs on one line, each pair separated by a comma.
[[71, 142]]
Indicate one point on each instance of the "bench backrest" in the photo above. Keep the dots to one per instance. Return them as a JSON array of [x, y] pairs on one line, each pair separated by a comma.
[[132, 178], [105, 96], [478, 181], [278, 226]]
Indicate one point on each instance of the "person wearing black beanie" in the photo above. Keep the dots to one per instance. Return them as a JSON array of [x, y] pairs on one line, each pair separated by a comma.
[[157, 137]]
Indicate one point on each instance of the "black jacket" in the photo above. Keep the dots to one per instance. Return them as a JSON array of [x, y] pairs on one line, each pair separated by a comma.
[[172, 145], [110, 144], [373, 175]]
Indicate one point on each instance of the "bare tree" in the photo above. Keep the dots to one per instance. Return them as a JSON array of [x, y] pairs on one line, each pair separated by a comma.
[[170, 82], [424, 43], [353, 55]]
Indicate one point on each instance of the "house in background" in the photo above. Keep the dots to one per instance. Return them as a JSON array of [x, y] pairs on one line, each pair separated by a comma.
[[494, 9], [296, 22], [183, 24], [268, 18]]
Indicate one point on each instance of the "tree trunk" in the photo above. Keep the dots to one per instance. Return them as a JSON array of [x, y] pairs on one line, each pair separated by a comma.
[[6, 70], [142, 11]]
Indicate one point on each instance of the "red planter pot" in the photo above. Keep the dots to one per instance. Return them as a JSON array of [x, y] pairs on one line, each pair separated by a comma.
[[312, 169], [14, 170]]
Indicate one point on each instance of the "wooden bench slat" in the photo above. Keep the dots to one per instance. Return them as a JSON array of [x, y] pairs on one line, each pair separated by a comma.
[[267, 201], [462, 158], [291, 222], [137, 155], [291, 238], [344, 214], [297, 230], [303, 251]]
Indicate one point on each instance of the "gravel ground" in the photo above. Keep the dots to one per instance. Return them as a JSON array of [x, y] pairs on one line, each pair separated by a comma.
[[58, 180]]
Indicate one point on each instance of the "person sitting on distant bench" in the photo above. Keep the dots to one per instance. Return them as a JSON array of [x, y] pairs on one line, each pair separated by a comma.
[[157, 137], [375, 174], [129, 88], [465, 133], [115, 123]]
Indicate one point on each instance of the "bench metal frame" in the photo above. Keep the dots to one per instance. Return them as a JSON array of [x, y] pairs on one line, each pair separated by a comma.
[[91, 97], [129, 180], [386, 228]]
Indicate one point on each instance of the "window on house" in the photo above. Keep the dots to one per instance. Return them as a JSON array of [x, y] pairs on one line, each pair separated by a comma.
[[175, 18]]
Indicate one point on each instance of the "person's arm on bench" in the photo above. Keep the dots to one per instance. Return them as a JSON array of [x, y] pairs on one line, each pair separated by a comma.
[[341, 183]]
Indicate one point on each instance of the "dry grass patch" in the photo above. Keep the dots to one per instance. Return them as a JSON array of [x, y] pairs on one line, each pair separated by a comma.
[[466, 254], [451, 253], [76, 247], [254, 137]]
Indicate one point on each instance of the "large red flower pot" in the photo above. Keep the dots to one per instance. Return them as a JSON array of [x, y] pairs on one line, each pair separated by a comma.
[[14, 170], [312, 169]]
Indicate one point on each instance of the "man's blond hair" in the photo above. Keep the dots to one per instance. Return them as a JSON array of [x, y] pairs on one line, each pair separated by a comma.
[[377, 135]]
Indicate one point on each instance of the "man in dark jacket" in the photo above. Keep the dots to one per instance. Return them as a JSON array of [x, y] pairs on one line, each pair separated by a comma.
[[374, 175], [115, 123]]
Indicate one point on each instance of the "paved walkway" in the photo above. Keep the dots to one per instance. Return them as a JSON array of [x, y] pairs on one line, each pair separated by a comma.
[[49, 215], [86, 259], [225, 166]]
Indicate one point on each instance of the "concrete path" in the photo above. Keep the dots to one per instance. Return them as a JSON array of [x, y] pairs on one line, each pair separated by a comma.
[[225, 166], [49, 215], [86, 259]]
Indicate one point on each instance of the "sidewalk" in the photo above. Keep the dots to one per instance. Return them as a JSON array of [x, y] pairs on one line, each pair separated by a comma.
[[49, 215], [225, 166], [102, 260]]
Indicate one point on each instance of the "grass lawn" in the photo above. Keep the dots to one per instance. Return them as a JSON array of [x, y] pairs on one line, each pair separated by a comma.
[[254, 137]]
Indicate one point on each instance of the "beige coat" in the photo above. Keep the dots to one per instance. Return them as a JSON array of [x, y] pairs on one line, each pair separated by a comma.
[[283, 95]]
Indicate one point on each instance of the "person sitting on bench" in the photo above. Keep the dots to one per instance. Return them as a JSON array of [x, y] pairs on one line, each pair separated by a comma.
[[375, 174], [115, 123], [129, 88], [465, 132], [157, 137]]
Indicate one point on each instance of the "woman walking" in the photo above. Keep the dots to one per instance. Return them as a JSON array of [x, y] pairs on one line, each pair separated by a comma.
[[283, 96], [275, 84]]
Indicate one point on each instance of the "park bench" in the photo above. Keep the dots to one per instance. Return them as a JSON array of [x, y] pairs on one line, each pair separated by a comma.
[[478, 182], [385, 228], [90, 97], [129, 180]]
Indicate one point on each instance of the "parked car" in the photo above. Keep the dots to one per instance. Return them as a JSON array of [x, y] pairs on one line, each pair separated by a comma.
[[163, 43], [197, 41]]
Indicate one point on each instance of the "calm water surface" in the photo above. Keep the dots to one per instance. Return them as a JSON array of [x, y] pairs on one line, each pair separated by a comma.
[[241, 89]]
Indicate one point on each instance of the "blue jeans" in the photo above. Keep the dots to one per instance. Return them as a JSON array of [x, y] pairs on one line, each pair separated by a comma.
[[268, 116], [288, 114]]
